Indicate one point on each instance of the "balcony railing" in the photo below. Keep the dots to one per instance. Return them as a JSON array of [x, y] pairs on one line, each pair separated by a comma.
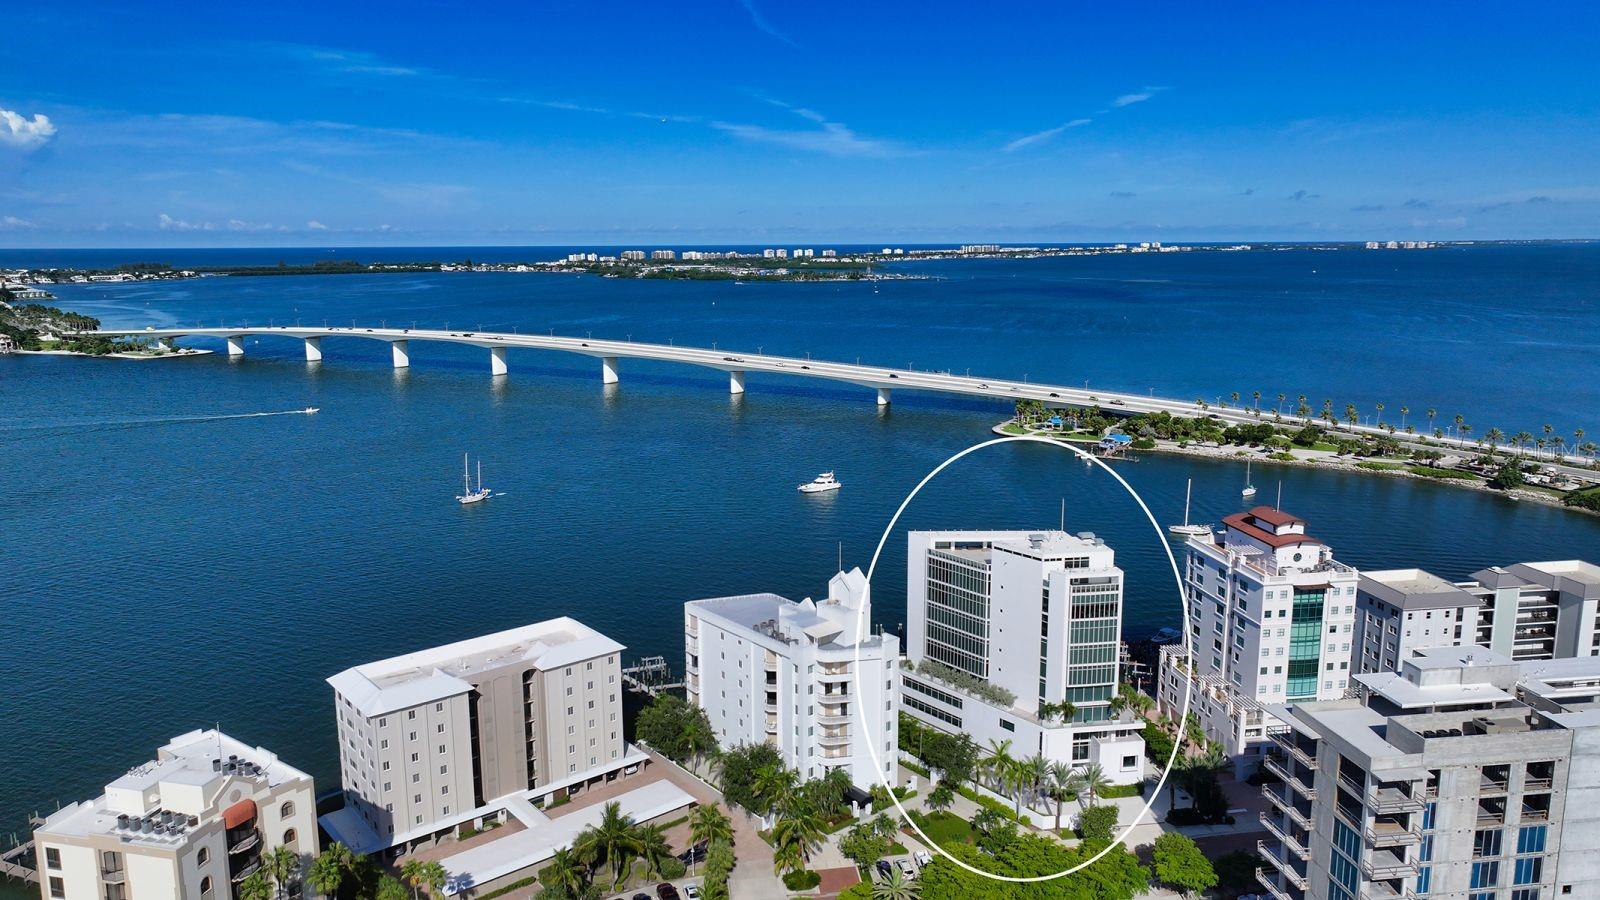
[[1294, 846], [1282, 771], [834, 740], [1383, 890], [114, 876], [1285, 740], [833, 720], [244, 843], [1280, 802], [1271, 884], [1390, 834], [1531, 814], [1537, 784], [1270, 854], [1387, 800], [246, 872], [1488, 785], [1383, 864]]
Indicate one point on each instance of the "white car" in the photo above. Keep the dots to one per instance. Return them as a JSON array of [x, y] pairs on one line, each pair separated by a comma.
[[922, 857], [907, 870], [691, 892]]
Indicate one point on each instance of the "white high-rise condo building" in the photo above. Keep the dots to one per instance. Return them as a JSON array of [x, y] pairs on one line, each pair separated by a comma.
[[1015, 636], [765, 668], [1465, 775], [432, 739], [1537, 610], [1271, 620], [192, 824]]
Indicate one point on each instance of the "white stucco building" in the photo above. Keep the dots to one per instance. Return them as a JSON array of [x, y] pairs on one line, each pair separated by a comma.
[[192, 824], [765, 668], [1271, 620], [1003, 628]]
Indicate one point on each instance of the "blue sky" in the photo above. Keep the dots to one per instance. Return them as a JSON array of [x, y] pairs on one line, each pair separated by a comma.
[[744, 122]]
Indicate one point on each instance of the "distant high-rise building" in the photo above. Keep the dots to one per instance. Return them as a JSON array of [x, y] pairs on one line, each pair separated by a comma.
[[633, 254], [768, 669], [662, 254]]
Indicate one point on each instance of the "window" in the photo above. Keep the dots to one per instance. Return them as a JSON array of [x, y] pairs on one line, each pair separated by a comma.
[[58, 888], [205, 886], [52, 857], [1530, 839], [286, 810], [1485, 874], [288, 838], [1007, 725], [204, 856], [1486, 843], [1527, 870]]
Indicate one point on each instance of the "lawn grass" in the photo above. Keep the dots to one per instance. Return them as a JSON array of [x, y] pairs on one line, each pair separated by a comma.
[[1378, 466], [1435, 472], [944, 827]]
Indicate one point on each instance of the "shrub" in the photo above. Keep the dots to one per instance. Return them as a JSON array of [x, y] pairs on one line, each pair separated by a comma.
[[1588, 498], [1098, 824], [1432, 472], [803, 880], [1143, 444]]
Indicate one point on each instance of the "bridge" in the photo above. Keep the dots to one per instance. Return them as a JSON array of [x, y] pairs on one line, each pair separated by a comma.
[[882, 380]]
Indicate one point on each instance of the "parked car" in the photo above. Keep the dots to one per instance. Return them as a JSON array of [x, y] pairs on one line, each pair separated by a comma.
[[665, 891], [694, 854], [691, 892], [922, 857], [884, 868], [907, 870]]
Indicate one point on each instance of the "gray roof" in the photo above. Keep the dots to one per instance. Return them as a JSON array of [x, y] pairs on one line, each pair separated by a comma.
[[1416, 589]]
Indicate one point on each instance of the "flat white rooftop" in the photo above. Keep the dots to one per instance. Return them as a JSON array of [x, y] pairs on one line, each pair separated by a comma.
[[400, 682], [540, 840]]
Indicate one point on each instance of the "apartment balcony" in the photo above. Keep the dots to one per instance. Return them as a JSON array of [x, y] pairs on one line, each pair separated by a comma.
[[1380, 865], [832, 675], [691, 643], [1285, 740], [114, 876], [246, 872], [772, 662], [1272, 765], [771, 709], [1382, 800], [833, 720], [245, 843], [1383, 890], [1390, 834], [1283, 837], [772, 724], [693, 628], [1271, 854], [837, 739], [1270, 882], [1537, 784], [836, 754], [1288, 809], [1493, 786]]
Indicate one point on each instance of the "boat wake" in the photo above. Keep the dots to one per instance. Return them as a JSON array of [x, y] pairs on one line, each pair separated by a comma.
[[162, 420]]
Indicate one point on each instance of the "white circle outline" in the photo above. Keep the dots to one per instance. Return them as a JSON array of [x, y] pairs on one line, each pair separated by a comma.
[[872, 749]]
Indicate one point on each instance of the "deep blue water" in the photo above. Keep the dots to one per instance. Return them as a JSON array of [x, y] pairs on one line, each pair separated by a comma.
[[161, 577]]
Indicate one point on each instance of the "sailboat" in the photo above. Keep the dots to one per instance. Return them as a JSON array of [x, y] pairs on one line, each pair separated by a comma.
[[1249, 489], [1187, 530], [469, 495]]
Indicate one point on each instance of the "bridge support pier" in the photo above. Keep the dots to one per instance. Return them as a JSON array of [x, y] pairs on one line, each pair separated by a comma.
[[402, 358], [313, 349], [883, 396], [735, 382], [235, 345], [497, 361], [608, 370]]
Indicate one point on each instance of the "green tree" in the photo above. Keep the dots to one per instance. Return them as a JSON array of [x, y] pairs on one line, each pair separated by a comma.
[[680, 731], [1098, 825], [709, 823], [895, 887], [1508, 476], [864, 846], [256, 887], [654, 849], [1179, 864], [389, 888], [282, 866], [719, 862], [1095, 781], [941, 798], [331, 869], [614, 841], [565, 874], [737, 774], [796, 833]]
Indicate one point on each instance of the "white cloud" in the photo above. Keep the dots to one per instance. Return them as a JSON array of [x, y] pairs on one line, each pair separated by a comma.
[[1039, 137], [760, 22], [1138, 96], [23, 133], [12, 223], [314, 225], [168, 223], [832, 139]]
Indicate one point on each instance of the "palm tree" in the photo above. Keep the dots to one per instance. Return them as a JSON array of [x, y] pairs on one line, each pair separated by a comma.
[[1281, 398], [1431, 413], [1303, 410], [941, 798], [1351, 416], [654, 849], [772, 783], [833, 789], [282, 865], [435, 877], [256, 887], [565, 872], [614, 840], [796, 833], [1094, 781], [1379, 407], [895, 887], [700, 741], [1494, 435], [411, 874], [330, 868], [1065, 783], [1000, 759], [1404, 411], [1577, 438], [389, 888], [1033, 774], [1256, 395], [709, 823]]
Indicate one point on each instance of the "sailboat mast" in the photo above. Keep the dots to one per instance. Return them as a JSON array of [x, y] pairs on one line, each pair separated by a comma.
[[1188, 491], [466, 476], [480, 475]]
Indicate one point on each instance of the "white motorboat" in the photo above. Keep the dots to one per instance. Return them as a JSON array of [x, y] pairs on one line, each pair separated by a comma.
[[822, 483], [312, 410], [469, 495], [1187, 530]]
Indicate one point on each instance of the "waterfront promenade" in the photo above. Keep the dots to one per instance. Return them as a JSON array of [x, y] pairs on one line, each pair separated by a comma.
[[882, 380]]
